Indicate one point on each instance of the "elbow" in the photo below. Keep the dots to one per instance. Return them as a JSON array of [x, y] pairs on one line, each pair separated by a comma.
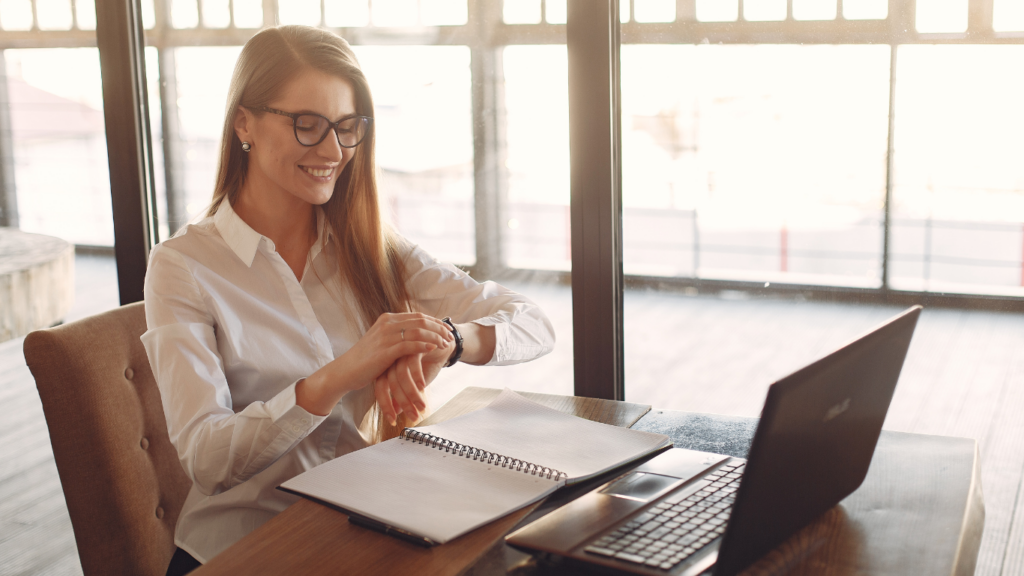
[[210, 469], [209, 481], [547, 336]]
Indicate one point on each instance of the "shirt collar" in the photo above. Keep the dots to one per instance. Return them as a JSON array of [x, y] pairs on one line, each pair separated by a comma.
[[241, 238], [323, 233], [244, 241]]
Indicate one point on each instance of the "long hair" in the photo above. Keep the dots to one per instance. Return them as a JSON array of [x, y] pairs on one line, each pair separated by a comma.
[[366, 248]]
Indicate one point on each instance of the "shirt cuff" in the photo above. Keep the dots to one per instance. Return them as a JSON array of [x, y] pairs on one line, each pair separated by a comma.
[[289, 416], [501, 330]]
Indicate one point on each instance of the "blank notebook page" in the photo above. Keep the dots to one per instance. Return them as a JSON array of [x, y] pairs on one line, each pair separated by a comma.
[[420, 489], [515, 427]]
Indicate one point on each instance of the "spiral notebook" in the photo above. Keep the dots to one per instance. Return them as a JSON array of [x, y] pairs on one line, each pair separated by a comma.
[[438, 482]]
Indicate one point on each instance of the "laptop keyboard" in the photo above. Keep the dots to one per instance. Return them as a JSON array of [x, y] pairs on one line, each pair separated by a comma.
[[674, 529]]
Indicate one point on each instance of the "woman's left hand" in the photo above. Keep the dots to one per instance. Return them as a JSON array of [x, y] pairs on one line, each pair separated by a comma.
[[408, 377], [405, 381]]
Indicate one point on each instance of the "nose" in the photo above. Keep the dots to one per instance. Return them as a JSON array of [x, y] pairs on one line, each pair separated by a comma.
[[329, 148]]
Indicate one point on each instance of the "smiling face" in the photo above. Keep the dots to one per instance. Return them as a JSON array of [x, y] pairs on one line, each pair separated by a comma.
[[279, 167]]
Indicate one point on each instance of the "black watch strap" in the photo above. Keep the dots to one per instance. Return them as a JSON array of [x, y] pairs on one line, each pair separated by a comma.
[[458, 342]]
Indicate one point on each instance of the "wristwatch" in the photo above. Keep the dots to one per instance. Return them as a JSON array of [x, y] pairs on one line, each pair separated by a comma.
[[458, 342]]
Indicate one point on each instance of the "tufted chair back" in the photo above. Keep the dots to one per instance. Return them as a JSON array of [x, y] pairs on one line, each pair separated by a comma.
[[122, 481]]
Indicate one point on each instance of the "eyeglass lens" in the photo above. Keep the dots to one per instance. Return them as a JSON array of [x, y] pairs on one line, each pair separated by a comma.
[[311, 129]]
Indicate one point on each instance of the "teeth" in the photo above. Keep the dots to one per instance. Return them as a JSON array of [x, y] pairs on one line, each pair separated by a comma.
[[320, 173]]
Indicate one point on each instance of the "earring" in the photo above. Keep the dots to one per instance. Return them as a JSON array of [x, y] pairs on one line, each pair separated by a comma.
[[246, 147]]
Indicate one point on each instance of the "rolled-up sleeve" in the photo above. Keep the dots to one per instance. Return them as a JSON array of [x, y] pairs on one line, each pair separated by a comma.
[[218, 448], [523, 332]]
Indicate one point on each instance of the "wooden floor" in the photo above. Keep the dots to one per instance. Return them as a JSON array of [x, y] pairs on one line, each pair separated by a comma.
[[964, 376]]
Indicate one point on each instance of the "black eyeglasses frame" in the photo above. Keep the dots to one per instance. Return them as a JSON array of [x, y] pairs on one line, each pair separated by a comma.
[[330, 125]]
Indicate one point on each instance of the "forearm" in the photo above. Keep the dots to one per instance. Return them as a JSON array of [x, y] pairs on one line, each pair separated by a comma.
[[220, 452], [478, 343], [320, 392]]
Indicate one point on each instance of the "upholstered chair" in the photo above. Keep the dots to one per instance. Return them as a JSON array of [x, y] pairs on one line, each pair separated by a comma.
[[121, 477]]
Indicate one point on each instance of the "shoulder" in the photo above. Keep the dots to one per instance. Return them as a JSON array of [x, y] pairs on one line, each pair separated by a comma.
[[190, 239], [417, 261], [172, 263], [402, 246]]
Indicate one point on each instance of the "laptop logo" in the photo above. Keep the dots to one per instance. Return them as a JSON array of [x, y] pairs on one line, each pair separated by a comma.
[[837, 410]]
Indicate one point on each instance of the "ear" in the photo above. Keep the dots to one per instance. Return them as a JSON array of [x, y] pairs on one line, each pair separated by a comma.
[[244, 124]]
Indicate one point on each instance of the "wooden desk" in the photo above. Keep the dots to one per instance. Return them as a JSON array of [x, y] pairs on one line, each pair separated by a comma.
[[309, 538], [920, 511]]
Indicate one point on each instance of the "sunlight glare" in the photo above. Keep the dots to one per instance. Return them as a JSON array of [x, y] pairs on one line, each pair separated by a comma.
[[394, 13], [443, 12], [148, 14], [814, 9], [717, 10], [216, 14], [299, 12], [72, 73], [248, 13], [85, 10], [764, 10], [347, 13], [184, 14], [557, 11], [939, 16], [521, 11], [1008, 16], [654, 10], [53, 14], [16, 14], [865, 9]]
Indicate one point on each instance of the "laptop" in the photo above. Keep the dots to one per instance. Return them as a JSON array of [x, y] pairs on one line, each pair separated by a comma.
[[685, 513]]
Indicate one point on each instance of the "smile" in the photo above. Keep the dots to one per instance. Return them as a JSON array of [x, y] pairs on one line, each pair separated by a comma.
[[320, 173]]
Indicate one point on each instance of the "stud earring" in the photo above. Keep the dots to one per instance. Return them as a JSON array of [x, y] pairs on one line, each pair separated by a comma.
[[246, 147]]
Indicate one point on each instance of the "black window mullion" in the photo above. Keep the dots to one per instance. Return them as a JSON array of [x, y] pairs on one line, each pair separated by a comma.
[[119, 37], [593, 40]]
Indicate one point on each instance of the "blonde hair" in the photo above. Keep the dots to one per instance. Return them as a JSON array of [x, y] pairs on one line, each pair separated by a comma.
[[366, 247]]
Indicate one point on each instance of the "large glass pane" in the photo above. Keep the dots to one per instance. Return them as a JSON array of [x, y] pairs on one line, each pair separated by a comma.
[[60, 152], [202, 76], [758, 163], [959, 181], [941, 16], [745, 163], [537, 97], [535, 228], [425, 143]]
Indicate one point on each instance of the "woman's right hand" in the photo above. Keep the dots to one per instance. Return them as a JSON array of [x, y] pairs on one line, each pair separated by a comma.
[[391, 337]]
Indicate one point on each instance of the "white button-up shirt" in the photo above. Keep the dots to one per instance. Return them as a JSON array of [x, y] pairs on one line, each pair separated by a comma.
[[230, 332]]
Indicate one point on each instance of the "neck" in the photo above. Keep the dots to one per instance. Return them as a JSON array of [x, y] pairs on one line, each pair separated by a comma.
[[288, 221]]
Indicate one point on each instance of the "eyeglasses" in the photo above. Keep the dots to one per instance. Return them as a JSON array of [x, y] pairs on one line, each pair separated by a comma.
[[311, 129]]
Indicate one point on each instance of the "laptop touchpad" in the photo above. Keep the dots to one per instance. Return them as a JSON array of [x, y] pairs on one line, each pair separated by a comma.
[[642, 486]]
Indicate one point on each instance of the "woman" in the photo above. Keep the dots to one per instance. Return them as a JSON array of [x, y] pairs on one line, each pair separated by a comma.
[[291, 326]]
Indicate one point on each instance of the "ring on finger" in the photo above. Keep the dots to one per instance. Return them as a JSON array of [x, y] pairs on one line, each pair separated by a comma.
[[403, 334]]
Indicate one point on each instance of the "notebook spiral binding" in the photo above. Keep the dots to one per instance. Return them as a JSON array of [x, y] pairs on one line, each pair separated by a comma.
[[481, 455]]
